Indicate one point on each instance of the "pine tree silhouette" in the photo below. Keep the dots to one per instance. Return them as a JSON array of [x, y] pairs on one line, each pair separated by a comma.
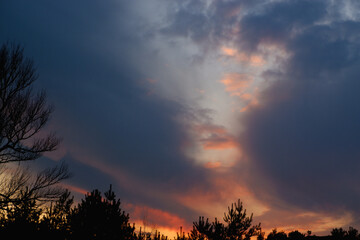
[[100, 218]]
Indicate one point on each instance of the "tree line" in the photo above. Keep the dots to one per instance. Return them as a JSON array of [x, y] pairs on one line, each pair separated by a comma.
[[32, 205]]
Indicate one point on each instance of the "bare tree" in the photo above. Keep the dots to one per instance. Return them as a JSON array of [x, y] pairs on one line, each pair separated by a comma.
[[23, 114]]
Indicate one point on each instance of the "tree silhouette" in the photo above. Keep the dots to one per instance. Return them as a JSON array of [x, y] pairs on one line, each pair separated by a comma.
[[341, 234], [24, 218], [352, 234], [296, 235], [238, 226], [55, 223], [275, 235], [238, 223], [338, 233], [202, 229], [23, 114], [100, 218]]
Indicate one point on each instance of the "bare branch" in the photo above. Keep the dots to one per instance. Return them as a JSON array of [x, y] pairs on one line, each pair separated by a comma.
[[22, 113]]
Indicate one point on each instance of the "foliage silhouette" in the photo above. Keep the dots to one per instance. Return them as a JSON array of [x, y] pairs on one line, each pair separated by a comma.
[[275, 235], [56, 217], [296, 235], [25, 218], [341, 234], [100, 218], [238, 226]]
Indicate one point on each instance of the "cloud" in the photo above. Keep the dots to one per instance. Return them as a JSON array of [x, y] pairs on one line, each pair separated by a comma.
[[300, 143], [302, 138], [213, 136], [252, 59], [156, 218], [236, 83]]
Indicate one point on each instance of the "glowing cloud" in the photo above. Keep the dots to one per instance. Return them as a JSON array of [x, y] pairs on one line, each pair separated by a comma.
[[218, 142], [229, 51], [237, 83], [151, 219], [214, 137], [251, 59], [75, 188], [212, 164]]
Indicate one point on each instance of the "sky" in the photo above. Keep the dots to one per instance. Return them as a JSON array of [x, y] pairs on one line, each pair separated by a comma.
[[185, 106]]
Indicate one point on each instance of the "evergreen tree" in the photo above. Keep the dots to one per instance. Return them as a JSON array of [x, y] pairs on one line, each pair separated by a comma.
[[238, 226], [100, 218]]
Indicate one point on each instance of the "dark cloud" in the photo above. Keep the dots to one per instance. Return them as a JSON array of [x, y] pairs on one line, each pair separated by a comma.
[[92, 60], [205, 23], [278, 22], [304, 137], [248, 23]]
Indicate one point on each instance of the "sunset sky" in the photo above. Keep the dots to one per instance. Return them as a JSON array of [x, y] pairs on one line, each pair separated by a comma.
[[185, 106]]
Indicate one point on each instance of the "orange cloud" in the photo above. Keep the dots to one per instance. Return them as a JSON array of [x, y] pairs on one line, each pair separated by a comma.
[[252, 59], [151, 219], [236, 83], [73, 188], [291, 219], [256, 60], [213, 164], [214, 137], [209, 128], [225, 190], [251, 99], [218, 142], [229, 51]]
